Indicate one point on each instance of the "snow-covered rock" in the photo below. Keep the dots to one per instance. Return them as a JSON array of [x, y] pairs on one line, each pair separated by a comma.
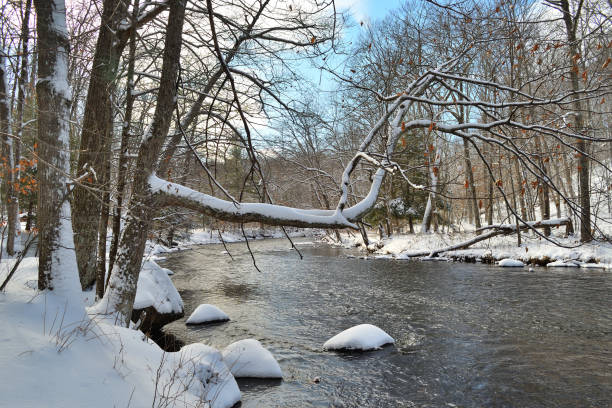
[[215, 381], [207, 314], [360, 337], [157, 296], [563, 264], [510, 263], [156, 289], [248, 358]]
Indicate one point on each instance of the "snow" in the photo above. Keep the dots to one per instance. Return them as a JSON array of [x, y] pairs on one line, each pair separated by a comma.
[[510, 263], [248, 358], [215, 379], [156, 289], [402, 246], [283, 214], [563, 264], [207, 313], [53, 355], [360, 337]]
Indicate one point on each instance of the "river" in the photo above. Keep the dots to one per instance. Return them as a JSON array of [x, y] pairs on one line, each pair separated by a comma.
[[467, 335]]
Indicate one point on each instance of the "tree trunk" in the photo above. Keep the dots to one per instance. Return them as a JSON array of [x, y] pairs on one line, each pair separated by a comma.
[[571, 25], [22, 81], [473, 203], [121, 291], [8, 159], [96, 141], [431, 200], [123, 150], [57, 268]]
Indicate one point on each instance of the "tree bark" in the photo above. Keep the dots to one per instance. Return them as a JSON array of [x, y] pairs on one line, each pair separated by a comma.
[[8, 159], [571, 25], [96, 141], [473, 202], [125, 137], [121, 291], [57, 268]]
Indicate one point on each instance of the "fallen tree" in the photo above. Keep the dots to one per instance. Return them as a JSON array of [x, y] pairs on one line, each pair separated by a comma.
[[498, 229]]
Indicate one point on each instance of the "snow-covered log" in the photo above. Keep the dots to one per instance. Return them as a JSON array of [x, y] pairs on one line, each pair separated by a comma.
[[495, 230]]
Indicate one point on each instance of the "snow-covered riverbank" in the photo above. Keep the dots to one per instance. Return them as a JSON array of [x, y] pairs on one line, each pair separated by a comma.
[[533, 250], [55, 355]]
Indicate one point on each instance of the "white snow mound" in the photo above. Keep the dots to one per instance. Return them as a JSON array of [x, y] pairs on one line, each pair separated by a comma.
[[216, 383], [563, 263], [207, 313], [510, 263], [156, 289], [248, 358], [360, 337]]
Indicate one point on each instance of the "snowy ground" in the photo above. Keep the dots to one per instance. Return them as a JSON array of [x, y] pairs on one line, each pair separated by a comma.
[[532, 250], [54, 355]]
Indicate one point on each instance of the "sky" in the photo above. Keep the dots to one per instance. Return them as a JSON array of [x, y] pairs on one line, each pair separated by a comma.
[[368, 10], [365, 11]]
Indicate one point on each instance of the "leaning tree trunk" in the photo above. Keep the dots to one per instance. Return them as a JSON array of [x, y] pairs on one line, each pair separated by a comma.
[[57, 268], [121, 291]]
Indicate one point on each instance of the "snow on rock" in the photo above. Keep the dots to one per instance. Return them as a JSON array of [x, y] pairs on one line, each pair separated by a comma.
[[248, 358], [155, 289], [360, 337], [207, 313], [216, 384], [510, 263], [563, 264]]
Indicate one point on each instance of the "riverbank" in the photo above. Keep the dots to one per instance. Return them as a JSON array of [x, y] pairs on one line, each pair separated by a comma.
[[532, 251], [54, 354], [205, 236]]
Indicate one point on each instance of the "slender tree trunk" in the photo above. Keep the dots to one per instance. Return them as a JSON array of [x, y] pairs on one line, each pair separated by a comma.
[[571, 25], [473, 203], [125, 137], [431, 201], [8, 159], [22, 80], [28, 226]]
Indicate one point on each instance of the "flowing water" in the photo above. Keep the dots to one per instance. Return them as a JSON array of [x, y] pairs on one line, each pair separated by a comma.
[[467, 335]]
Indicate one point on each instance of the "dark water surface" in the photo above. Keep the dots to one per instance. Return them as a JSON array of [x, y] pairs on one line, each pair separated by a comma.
[[467, 335]]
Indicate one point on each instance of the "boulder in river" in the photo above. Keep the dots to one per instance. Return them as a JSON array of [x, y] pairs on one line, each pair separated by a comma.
[[361, 337], [207, 314], [248, 358]]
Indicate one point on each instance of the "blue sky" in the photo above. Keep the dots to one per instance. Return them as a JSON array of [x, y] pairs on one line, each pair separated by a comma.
[[365, 10]]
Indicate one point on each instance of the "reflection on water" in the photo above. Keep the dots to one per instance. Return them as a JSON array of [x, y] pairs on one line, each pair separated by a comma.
[[466, 335]]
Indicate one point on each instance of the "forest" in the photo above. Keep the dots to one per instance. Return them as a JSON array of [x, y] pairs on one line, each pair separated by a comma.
[[442, 126]]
